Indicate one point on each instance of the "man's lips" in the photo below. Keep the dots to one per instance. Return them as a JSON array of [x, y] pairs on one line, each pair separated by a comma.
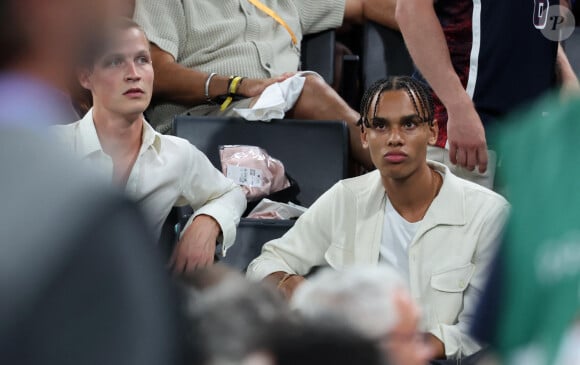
[[395, 157], [134, 92]]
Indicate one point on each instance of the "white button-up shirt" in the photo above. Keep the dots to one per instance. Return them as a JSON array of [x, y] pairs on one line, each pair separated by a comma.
[[168, 172]]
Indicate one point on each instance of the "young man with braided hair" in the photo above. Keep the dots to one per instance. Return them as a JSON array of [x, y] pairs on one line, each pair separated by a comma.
[[437, 230]]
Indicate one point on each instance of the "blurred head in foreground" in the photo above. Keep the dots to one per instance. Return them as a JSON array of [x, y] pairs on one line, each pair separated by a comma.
[[372, 300]]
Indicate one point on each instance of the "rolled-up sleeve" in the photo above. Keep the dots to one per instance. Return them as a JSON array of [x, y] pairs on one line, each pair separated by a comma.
[[210, 193]]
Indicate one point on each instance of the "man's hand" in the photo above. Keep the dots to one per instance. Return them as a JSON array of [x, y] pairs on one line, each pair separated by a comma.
[[286, 283], [254, 87], [380, 11], [466, 137], [196, 248], [289, 286], [436, 345]]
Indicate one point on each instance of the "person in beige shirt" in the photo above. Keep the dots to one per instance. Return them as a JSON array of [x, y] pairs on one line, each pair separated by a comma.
[[158, 171], [198, 44]]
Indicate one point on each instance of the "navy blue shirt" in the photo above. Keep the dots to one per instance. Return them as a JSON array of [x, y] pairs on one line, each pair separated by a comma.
[[502, 59], [517, 61]]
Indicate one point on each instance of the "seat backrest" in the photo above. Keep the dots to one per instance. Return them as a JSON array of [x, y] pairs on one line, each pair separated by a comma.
[[314, 153], [317, 54], [384, 54], [250, 237], [573, 50]]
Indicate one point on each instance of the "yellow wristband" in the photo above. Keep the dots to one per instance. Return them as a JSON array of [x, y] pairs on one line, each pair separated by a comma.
[[233, 88]]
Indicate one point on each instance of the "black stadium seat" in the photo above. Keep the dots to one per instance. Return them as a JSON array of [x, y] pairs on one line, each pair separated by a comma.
[[384, 54], [317, 54], [314, 153], [251, 236]]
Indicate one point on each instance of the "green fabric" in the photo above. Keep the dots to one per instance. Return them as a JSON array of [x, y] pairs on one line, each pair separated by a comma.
[[540, 169]]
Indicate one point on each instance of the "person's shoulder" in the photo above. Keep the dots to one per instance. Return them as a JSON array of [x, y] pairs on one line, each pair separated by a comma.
[[476, 190], [479, 198], [179, 150], [65, 129], [66, 135], [361, 184], [174, 143]]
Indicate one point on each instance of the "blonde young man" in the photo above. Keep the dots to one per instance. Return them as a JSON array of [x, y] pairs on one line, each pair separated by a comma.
[[158, 171], [437, 230]]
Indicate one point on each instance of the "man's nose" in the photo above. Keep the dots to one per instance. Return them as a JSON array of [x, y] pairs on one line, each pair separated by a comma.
[[395, 137], [132, 74]]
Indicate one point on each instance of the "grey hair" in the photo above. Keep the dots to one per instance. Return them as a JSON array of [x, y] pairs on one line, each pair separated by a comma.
[[232, 318], [363, 297]]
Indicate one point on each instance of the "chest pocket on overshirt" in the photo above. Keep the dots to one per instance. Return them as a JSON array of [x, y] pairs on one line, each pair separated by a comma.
[[453, 280], [448, 290]]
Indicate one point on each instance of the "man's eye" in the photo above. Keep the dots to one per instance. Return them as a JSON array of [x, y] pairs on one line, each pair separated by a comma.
[[114, 62], [409, 124], [143, 60], [379, 126]]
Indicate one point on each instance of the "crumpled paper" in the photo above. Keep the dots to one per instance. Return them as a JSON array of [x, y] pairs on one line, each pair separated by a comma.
[[268, 209], [276, 99]]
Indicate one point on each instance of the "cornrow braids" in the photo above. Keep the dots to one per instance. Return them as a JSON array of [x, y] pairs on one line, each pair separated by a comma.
[[417, 91]]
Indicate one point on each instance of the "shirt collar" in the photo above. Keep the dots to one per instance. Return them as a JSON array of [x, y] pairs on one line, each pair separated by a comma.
[[151, 138], [448, 207], [89, 140]]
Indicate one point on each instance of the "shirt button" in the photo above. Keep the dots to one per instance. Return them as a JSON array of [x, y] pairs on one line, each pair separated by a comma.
[[268, 65], [461, 283]]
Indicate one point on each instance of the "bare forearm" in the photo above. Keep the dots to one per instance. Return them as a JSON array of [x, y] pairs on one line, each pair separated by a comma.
[[427, 45], [564, 72], [179, 84], [182, 85], [380, 11]]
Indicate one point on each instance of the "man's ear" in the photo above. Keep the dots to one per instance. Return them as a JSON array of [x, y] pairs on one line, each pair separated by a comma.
[[433, 132], [84, 77], [364, 137]]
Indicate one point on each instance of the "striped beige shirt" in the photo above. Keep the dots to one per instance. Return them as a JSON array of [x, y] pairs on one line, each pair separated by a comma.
[[233, 37]]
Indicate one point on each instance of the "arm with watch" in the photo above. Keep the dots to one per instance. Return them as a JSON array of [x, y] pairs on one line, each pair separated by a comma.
[[285, 282], [178, 84]]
